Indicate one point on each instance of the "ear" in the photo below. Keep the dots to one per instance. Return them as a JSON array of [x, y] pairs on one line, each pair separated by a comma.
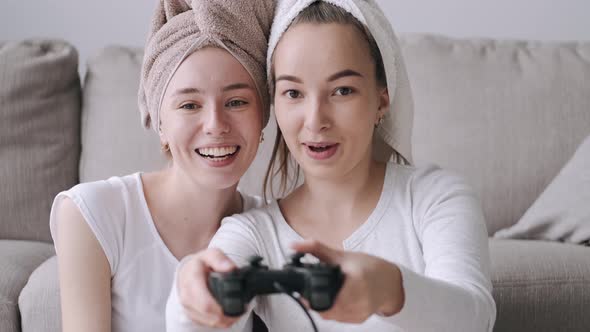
[[383, 103], [163, 139]]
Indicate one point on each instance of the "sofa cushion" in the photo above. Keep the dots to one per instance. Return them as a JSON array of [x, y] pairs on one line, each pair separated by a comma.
[[540, 286], [475, 102], [18, 259], [562, 212], [39, 301], [39, 133], [113, 140], [505, 114]]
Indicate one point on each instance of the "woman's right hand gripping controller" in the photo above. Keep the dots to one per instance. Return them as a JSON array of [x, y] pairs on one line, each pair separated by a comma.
[[193, 293]]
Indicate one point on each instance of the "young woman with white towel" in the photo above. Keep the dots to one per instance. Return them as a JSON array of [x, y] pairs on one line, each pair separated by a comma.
[[203, 91], [411, 241]]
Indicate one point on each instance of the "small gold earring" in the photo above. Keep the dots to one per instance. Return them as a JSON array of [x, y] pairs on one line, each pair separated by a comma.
[[165, 147], [261, 137], [380, 121]]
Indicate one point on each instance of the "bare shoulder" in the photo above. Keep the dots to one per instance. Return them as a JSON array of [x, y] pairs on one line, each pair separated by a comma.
[[71, 221], [74, 234], [84, 273], [67, 210]]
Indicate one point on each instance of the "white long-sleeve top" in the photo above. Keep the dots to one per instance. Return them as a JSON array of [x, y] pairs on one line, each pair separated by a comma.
[[427, 221]]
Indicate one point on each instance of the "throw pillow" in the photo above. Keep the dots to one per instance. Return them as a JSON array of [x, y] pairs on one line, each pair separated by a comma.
[[562, 212]]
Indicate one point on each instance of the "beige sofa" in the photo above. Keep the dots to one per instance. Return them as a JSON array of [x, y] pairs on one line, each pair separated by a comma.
[[507, 115]]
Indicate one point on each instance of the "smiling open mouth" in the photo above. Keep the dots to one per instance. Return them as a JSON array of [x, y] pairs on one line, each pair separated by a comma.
[[218, 154]]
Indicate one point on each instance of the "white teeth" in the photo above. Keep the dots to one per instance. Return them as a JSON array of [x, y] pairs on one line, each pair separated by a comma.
[[218, 152], [218, 159]]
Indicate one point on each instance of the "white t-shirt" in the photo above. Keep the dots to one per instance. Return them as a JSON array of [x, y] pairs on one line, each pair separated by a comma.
[[142, 267], [427, 221]]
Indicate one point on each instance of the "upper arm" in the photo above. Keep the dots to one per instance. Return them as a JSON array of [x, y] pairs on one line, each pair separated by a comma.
[[452, 230], [238, 238], [84, 273]]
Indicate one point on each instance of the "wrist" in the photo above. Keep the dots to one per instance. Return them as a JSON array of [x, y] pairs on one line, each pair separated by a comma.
[[394, 292]]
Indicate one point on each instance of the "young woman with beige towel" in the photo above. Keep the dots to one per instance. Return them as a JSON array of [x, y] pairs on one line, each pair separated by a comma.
[[203, 91], [410, 240]]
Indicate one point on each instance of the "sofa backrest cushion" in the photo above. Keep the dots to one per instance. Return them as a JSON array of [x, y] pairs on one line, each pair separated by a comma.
[[39, 133], [113, 139], [506, 114]]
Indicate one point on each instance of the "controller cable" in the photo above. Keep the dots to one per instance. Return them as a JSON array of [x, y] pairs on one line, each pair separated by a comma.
[[296, 297]]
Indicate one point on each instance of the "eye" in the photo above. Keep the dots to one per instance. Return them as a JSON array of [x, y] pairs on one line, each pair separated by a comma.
[[189, 106], [236, 103], [343, 91], [293, 94]]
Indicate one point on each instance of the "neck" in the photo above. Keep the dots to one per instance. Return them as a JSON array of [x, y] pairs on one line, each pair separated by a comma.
[[196, 206], [347, 197]]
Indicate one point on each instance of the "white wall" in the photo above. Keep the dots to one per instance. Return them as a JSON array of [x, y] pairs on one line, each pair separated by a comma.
[[90, 25], [514, 19]]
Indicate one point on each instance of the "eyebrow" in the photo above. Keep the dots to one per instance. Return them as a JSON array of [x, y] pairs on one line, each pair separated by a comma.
[[344, 73], [289, 78], [237, 86], [185, 91], [333, 77]]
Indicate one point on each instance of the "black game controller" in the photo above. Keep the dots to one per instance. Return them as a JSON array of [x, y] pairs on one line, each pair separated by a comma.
[[317, 283]]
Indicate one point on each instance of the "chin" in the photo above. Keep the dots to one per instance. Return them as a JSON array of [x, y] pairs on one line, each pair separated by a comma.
[[336, 169], [325, 171], [219, 181], [215, 178]]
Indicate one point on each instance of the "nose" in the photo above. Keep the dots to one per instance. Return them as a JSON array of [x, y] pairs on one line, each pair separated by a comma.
[[216, 122], [316, 116]]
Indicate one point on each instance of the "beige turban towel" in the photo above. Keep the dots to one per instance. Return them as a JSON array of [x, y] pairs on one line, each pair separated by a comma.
[[393, 138], [179, 28]]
